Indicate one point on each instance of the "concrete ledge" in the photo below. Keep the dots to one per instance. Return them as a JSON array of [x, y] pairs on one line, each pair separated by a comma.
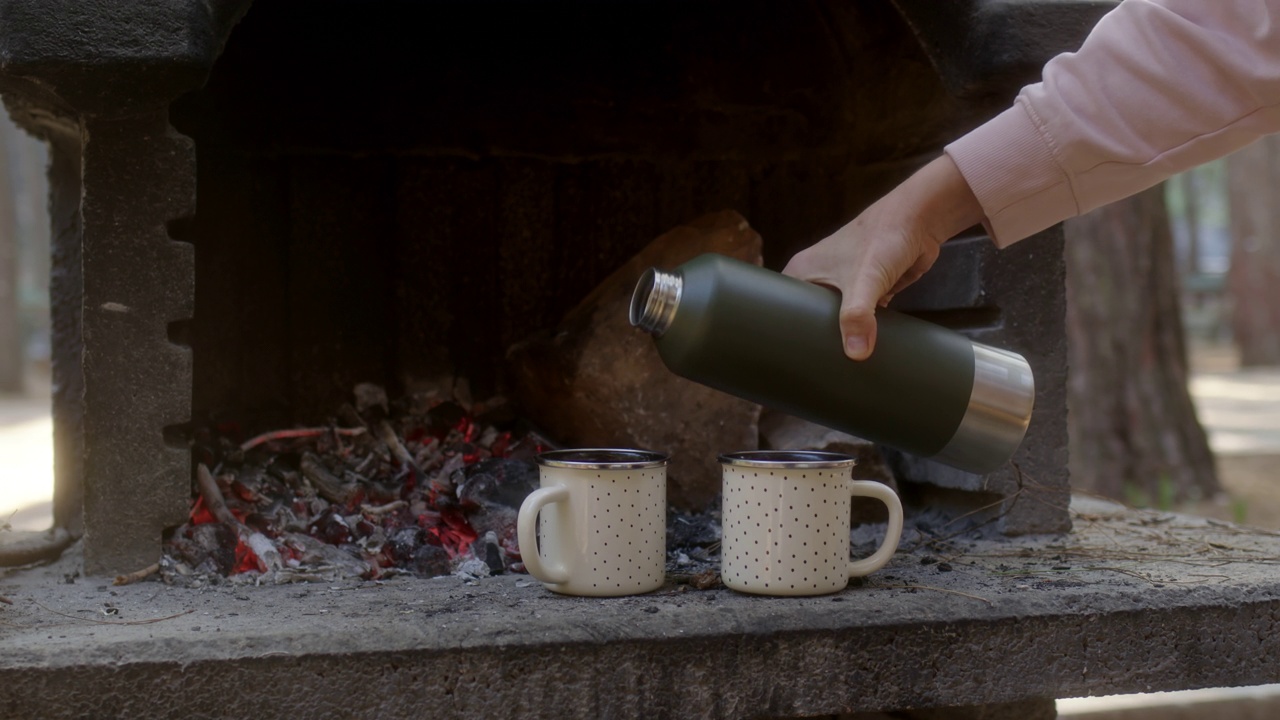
[[1128, 602]]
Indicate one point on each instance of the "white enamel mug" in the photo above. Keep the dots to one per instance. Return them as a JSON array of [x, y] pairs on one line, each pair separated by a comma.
[[786, 517], [598, 524]]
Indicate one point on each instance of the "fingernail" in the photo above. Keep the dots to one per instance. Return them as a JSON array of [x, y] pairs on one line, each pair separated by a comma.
[[856, 345]]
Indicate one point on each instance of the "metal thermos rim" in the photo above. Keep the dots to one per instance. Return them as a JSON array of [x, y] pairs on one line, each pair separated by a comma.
[[602, 459], [655, 299], [788, 459], [999, 412]]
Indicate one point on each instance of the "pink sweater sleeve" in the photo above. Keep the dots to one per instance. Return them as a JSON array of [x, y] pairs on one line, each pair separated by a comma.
[[1159, 86]]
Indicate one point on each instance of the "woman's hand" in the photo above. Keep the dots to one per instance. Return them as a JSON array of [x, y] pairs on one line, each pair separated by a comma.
[[888, 247]]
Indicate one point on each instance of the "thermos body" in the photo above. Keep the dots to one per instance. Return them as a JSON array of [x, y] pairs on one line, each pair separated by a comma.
[[776, 341]]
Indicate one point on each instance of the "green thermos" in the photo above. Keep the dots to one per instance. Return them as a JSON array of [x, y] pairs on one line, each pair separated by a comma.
[[775, 340]]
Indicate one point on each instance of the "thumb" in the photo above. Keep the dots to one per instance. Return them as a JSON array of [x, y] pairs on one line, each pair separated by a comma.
[[858, 321]]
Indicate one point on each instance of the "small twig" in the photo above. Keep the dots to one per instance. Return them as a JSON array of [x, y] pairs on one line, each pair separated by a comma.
[[296, 433], [1222, 578], [5, 600], [1138, 575], [364, 464], [216, 505], [384, 509], [930, 587], [137, 575], [1239, 530], [213, 496], [975, 511], [388, 436], [114, 622]]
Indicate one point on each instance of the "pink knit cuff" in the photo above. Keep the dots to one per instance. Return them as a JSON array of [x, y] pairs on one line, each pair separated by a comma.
[[1009, 164]]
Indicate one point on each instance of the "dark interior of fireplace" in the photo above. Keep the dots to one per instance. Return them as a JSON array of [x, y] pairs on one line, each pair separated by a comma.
[[396, 191]]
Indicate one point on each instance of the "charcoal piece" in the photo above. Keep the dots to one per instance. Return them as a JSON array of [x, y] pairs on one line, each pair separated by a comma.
[[369, 396], [282, 470], [331, 528], [314, 554], [486, 548], [497, 412], [430, 561], [443, 480], [497, 480], [327, 485], [686, 530], [473, 568], [260, 523], [531, 443], [218, 542], [429, 456], [444, 417], [403, 544], [498, 519], [379, 493], [596, 381], [187, 550]]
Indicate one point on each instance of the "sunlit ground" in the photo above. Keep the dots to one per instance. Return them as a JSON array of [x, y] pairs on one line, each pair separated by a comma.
[[26, 463], [1241, 410]]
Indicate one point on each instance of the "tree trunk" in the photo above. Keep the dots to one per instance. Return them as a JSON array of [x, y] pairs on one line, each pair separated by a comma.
[[1191, 207], [11, 380], [1253, 282], [1133, 428]]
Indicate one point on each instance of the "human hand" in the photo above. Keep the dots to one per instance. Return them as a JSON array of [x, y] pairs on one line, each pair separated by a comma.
[[888, 247]]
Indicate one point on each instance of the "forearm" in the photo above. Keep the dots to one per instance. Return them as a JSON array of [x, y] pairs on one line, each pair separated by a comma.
[[940, 199], [1158, 87]]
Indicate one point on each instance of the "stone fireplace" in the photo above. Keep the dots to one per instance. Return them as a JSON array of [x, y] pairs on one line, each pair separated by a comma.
[[258, 205]]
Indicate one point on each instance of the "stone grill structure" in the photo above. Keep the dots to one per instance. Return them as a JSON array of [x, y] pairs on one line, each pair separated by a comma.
[[256, 207], [258, 204]]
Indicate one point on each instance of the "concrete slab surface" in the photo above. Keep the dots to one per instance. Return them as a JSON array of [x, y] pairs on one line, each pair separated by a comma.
[[1128, 602]]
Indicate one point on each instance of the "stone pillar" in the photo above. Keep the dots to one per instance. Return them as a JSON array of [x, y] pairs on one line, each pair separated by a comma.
[[1014, 299], [66, 299], [138, 175], [95, 80]]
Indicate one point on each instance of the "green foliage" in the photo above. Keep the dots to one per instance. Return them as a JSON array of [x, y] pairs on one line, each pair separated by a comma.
[[1166, 495], [1135, 496], [1239, 510], [1166, 492]]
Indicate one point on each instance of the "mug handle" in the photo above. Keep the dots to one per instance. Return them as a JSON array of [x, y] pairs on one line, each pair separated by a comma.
[[882, 555], [527, 531]]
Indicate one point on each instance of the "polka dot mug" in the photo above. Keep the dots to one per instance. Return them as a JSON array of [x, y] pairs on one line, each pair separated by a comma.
[[786, 517], [597, 526]]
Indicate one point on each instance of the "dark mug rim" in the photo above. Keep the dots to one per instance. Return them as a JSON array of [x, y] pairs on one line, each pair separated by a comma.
[[602, 459], [788, 459]]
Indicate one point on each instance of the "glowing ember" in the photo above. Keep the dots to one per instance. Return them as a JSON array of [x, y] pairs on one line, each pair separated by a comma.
[[419, 487]]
